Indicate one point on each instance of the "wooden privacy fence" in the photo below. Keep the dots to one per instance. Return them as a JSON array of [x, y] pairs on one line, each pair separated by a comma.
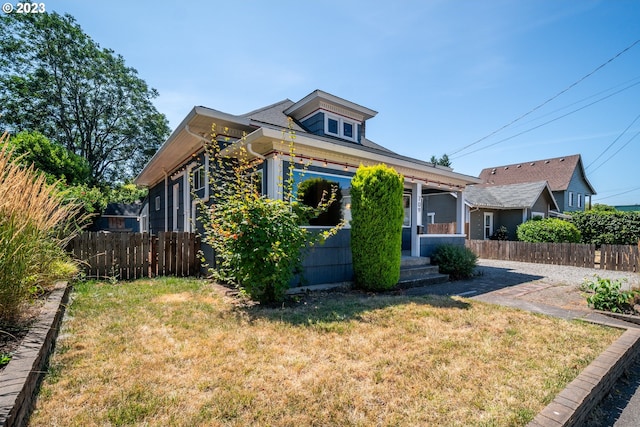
[[609, 257], [135, 255]]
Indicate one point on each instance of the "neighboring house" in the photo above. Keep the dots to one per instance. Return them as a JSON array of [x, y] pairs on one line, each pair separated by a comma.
[[330, 139], [489, 207], [565, 175], [119, 217], [495, 206]]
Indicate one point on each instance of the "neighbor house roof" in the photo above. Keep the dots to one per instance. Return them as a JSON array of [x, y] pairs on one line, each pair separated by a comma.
[[123, 209], [510, 196], [557, 172]]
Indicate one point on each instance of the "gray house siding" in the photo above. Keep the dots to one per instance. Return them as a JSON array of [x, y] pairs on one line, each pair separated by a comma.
[[156, 217], [329, 262], [509, 219], [577, 186], [443, 205], [315, 124]]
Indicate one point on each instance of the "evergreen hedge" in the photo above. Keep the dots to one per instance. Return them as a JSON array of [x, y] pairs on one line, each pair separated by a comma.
[[608, 227], [376, 226]]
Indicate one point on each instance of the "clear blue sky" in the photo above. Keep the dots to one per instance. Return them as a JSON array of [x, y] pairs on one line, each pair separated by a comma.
[[441, 74]]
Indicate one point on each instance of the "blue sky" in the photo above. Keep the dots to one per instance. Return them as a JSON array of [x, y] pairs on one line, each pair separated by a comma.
[[441, 74]]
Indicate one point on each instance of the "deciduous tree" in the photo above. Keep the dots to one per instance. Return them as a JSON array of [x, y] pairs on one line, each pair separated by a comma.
[[56, 80]]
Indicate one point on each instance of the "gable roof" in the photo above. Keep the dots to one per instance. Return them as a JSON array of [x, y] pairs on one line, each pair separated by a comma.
[[510, 196], [557, 172]]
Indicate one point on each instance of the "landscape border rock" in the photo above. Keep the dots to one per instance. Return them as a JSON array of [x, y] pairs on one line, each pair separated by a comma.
[[20, 379]]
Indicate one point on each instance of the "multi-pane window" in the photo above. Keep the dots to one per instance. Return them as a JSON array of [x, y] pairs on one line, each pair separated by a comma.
[[199, 178], [340, 127]]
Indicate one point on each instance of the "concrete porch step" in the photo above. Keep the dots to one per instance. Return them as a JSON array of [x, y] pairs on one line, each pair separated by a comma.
[[431, 279], [418, 271]]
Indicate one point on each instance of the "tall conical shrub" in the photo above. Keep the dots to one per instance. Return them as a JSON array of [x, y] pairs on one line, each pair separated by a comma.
[[376, 226]]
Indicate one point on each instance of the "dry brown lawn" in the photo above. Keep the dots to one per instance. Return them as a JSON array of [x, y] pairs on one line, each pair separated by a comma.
[[172, 352]]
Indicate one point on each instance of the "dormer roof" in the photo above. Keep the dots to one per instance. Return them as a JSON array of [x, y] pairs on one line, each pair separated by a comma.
[[320, 100]]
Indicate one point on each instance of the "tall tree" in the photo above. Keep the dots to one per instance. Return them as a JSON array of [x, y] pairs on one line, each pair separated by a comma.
[[56, 80]]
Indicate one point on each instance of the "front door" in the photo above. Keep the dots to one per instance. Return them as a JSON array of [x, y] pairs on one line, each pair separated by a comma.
[[488, 225]]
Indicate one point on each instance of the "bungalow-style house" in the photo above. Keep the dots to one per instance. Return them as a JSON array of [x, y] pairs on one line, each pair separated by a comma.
[[119, 217], [330, 143], [565, 175], [495, 206]]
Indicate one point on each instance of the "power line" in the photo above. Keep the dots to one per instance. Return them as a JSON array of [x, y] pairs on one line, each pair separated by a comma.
[[611, 145], [619, 194], [611, 156], [550, 99], [545, 123]]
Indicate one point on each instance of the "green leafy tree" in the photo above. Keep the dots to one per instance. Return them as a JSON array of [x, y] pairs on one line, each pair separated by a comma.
[[127, 193], [548, 230], [376, 226], [56, 80], [54, 160]]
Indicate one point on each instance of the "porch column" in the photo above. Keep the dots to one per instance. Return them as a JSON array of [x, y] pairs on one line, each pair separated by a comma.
[[460, 212], [274, 178], [416, 217]]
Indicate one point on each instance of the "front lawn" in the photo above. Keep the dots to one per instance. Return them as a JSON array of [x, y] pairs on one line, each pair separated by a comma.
[[178, 352]]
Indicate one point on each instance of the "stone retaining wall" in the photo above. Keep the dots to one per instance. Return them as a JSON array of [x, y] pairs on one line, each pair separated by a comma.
[[20, 379]]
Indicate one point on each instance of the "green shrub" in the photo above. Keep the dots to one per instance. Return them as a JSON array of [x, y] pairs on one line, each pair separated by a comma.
[[548, 230], [376, 226], [608, 295], [605, 227], [455, 260]]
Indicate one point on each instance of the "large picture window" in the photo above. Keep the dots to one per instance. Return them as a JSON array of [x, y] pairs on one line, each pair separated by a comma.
[[309, 187]]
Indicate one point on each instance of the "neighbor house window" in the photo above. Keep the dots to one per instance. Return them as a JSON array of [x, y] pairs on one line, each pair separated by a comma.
[[157, 203], [537, 215], [340, 127], [579, 200], [571, 198]]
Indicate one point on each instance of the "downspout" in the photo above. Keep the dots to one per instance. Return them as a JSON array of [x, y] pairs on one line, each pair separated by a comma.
[[166, 200]]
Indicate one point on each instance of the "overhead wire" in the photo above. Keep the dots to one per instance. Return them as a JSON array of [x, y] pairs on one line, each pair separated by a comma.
[[545, 123], [612, 144], [598, 68]]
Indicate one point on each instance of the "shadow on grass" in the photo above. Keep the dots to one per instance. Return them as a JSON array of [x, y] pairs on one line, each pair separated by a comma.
[[344, 307]]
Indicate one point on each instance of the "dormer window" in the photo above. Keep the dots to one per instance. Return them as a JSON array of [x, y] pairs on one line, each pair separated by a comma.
[[340, 127]]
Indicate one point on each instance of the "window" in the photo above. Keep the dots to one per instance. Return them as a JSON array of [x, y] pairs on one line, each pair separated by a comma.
[[157, 203], [116, 223], [257, 181], [340, 127], [537, 215], [342, 209], [570, 198], [579, 200], [199, 178], [406, 202]]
